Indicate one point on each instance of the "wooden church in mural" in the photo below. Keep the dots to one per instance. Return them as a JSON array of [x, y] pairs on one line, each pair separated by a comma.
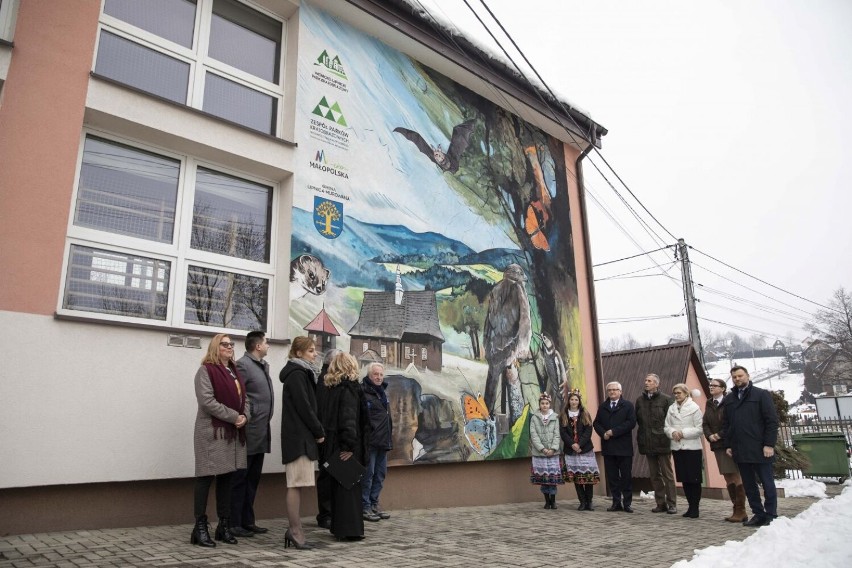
[[322, 331], [401, 327]]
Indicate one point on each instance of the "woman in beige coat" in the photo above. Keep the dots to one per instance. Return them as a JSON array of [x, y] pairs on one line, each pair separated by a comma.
[[219, 439]]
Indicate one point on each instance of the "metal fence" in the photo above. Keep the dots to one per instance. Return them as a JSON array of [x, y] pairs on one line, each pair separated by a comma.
[[803, 424]]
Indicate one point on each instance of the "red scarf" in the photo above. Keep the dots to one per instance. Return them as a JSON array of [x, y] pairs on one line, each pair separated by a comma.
[[225, 391]]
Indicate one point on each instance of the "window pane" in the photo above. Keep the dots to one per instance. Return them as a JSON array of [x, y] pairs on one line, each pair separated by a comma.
[[231, 216], [127, 191], [115, 283], [239, 104], [224, 299], [245, 39], [143, 68], [173, 20]]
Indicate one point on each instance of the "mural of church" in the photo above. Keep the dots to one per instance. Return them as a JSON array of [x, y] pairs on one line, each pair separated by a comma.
[[401, 327]]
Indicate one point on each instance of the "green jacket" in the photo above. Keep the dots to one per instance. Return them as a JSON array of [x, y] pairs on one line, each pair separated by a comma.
[[651, 417]]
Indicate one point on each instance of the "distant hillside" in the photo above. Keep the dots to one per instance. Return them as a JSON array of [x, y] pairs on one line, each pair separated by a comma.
[[499, 258]]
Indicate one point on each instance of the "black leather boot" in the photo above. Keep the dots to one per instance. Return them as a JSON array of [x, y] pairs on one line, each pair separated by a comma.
[[590, 493], [201, 533], [223, 531]]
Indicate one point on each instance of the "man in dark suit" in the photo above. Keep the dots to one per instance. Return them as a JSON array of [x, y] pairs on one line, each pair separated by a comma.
[[750, 426], [244, 482], [614, 423]]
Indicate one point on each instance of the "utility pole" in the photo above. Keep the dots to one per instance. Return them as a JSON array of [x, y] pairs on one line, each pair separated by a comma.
[[689, 298]]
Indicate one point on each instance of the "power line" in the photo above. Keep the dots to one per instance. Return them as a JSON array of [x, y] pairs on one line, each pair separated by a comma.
[[765, 282], [761, 307], [637, 319], [741, 328], [561, 104], [630, 257]]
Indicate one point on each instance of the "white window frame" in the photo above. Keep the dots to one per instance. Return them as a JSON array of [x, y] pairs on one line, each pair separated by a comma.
[[8, 17], [178, 253], [199, 62], [366, 347], [383, 351], [423, 353]]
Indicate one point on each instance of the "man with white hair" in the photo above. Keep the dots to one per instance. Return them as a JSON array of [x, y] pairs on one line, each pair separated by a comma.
[[614, 423], [376, 408]]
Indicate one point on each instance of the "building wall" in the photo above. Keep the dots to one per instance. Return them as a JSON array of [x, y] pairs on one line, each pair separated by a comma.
[[98, 428]]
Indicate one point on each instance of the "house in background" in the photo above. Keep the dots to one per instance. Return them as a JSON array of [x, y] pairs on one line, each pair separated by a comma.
[[149, 162], [835, 373]]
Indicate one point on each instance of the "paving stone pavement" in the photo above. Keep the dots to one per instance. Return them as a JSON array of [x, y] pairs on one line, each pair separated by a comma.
[[519, 534]]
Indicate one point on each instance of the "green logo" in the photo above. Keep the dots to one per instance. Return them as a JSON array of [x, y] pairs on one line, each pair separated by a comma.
[[330, 112], [333, 64]]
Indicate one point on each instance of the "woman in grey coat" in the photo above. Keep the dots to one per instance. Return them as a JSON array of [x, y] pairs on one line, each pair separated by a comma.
[[219, 439]]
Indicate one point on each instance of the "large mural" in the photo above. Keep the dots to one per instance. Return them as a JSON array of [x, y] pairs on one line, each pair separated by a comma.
[[431, 232]]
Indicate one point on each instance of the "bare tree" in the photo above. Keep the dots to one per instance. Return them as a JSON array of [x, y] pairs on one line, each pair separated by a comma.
[[834, 325]]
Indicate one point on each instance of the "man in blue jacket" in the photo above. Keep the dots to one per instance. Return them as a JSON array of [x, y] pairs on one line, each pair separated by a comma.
[[750, 424], [377, 411], [614, 423]]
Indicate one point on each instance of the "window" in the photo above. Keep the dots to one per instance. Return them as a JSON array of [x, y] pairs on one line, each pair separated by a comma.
[[423, 353], [8, 13], [365, 346], [384, 351], [168, 239], [220, 56]]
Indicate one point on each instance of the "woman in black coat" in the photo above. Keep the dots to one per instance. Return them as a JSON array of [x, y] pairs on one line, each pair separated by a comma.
[[581, 467], [345, 436], [301, 431]]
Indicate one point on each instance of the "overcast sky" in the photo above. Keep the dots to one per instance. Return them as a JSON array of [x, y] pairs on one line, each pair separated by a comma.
[[729, 120]]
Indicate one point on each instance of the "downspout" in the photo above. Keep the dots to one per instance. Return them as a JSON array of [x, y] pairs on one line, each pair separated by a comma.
[[581, 190]]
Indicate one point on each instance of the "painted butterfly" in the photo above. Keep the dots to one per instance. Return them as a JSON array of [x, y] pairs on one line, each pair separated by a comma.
[[479, 428]]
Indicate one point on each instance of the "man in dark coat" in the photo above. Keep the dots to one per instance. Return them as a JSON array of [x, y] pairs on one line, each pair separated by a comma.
[[750, 427], [651, 409], [244, 482], [614, 423], [376, 408]]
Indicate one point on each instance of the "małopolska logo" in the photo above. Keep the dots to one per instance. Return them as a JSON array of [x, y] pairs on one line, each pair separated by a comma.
[[332, 64], [331, 112], [321, 163], [328, 217]]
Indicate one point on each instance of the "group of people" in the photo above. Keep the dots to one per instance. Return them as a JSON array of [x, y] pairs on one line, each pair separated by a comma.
[[327, 413], [741, 428]]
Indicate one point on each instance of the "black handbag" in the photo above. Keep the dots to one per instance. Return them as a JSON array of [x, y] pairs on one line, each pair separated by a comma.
[[346, 473]]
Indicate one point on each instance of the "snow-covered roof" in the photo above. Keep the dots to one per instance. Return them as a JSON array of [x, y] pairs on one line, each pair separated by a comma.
[[469, 49]]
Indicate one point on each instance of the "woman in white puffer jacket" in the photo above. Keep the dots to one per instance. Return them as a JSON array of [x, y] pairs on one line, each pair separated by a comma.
[[684, 428]]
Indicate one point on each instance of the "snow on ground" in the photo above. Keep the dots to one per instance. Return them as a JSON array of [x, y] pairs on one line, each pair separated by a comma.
[[816, 537], [802, 488], [766, 372]]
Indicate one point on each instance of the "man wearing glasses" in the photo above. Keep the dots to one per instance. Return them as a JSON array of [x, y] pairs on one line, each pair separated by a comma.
[[614, 423], [712, 425]]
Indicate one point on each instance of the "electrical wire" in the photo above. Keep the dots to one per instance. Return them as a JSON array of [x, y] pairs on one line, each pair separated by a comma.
[[630, 257], [765, 282]]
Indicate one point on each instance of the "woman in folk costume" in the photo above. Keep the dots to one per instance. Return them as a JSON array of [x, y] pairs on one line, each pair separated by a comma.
[[684, 428], [219, 439], [580, 463], [546, 469]]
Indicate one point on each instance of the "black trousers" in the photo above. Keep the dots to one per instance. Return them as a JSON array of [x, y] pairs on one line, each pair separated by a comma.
[[223, 495], [244, 483], [324, 481], [619, 476]]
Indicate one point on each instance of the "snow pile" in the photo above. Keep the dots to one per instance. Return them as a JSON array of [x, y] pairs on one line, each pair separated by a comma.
[[643, 495], [817, 537], [802, 488]]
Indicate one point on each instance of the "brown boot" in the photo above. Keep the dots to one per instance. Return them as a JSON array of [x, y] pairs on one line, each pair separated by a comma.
[[738, 497]]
